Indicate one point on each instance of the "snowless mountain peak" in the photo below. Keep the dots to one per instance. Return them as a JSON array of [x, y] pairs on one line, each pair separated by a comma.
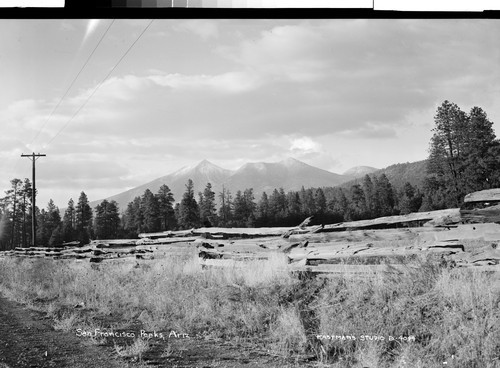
[[204, 167], [290, 161]]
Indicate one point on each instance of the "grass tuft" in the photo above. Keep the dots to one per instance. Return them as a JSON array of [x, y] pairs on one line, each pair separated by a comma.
[[135, 350], [452, 315]]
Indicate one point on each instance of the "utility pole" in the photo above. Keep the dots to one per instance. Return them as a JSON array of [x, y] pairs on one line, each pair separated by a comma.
[[33, 157]]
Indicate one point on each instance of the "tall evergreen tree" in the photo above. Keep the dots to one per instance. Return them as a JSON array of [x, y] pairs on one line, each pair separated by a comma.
[[151, 211], [320, 201], [463, 154], [370, 197], [165, 202], [294, 207], [107, 220], [189, 213], [410, 199], [226, 207], [208, 212], [69, 222], [278, 206], [26, 209], [385, 196], [239, 209], [14, 196], [263, 215], [480, 165], [4, 225], [134, 218], [250, 207], [358, 203], [49, 222], [83, 219]]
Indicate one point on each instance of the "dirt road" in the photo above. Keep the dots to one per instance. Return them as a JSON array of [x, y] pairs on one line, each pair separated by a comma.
[[27, 339]]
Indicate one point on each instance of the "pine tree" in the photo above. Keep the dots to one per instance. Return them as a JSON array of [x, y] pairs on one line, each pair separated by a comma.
[[42, 229], [310, 203], [26, 194], [358, 202], [339, 205], [239, 209], [226, 207], [250, 207], [293, 206], [263, 210], [244, 208], [69, 222], [385, 196], [4, 225], [57, 237], [278, 206], [47, 222], [13, 199], [370, 198], [320, 201], [53, 218], [83, 219], [463, 154], [189, 213], [151, 211], [480, 163], [107, 220], [410, 199], [166, 201], [208, 212]]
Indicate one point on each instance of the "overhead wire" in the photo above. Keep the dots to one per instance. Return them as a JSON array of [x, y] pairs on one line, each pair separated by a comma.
[[14, 170], [101, 83], [73, 82]]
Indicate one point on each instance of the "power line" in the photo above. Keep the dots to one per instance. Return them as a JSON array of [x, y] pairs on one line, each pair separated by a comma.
[[73, 82], [100, 84], [66, 93]]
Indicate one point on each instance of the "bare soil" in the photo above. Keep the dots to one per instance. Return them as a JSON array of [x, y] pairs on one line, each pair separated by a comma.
[[28, 339]]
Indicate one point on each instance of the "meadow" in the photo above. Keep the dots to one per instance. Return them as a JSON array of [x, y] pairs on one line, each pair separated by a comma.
[[427, 317]]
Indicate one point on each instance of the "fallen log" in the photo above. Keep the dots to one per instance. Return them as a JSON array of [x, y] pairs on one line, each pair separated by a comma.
[[302, 229], [228, 233], [481, 215], [288, 248], [167, 234], [209, 254], [165, 241], [113, 243], [387, 222], [487, 195]]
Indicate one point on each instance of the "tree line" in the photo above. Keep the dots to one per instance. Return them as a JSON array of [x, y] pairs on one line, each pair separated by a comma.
[[16, 219], [463, 157]]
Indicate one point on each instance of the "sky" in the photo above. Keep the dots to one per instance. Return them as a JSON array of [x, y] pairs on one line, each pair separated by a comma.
[[333, 93]]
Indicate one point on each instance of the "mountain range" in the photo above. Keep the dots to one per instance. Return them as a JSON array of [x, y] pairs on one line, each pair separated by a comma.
[[289, 174]]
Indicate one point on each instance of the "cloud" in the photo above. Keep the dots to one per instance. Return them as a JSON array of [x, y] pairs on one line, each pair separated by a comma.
[[304, 145], [230, 82], [203, 28], [361, 71]]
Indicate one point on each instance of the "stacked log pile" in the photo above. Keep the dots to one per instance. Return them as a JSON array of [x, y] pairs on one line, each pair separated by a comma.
[[365, 251], [388, 244]]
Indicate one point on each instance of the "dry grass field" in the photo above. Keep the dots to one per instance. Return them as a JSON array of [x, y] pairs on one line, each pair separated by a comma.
[[427, 317]]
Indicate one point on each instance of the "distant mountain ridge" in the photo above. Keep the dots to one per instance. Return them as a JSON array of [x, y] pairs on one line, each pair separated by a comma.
[[289, 174], [398, 174], [359, 171]]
